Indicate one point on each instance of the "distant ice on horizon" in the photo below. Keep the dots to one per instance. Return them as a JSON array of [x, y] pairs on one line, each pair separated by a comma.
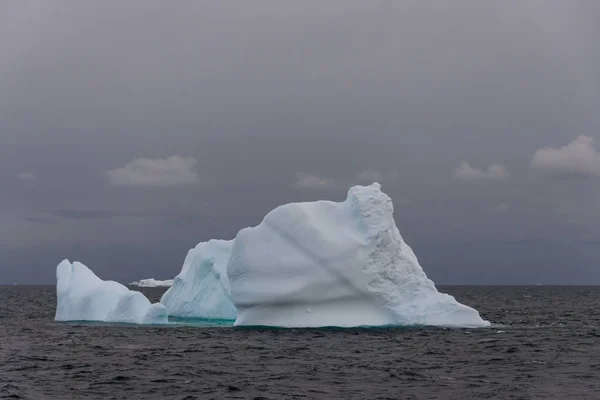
[[151, 282]]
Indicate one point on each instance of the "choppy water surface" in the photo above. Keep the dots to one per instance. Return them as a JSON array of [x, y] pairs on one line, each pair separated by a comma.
[[545, 345]]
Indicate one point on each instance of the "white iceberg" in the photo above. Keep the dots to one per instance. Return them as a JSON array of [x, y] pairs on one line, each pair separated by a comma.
[[151, 282], [316, 264], [82, 296], [201, 290]]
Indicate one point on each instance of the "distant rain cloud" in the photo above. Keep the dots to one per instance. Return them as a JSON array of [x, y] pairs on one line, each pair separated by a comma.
[[577, 159], [171, 171], [467, 172]]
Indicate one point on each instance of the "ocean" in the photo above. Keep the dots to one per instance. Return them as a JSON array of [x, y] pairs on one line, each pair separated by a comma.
[[544, 343]]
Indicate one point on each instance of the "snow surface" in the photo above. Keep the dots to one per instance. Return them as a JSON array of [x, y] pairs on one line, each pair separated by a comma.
[[151, 282], [336, 264], [82, 296], [201, 290]]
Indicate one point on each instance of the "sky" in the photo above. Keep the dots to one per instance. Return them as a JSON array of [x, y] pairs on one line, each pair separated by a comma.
[[132, 130]]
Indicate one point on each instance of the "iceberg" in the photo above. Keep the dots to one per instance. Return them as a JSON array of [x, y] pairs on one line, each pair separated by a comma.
[[151, 282], [316, 264], [201, 290], [82, 296]]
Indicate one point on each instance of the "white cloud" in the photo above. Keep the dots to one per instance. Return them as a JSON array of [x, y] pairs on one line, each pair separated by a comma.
[[494, 172], [25, 176], [368, 177], [305, 181], [577, 159], [171, 171]]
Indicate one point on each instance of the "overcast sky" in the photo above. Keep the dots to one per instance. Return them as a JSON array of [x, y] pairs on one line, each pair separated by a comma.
[[132, 130]]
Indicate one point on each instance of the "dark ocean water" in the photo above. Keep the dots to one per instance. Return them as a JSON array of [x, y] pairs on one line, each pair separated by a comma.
[[545, 344]]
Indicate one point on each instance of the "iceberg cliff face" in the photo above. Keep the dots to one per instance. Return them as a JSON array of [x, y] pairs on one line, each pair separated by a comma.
[[82, 296], [201, 290], [336, 264]]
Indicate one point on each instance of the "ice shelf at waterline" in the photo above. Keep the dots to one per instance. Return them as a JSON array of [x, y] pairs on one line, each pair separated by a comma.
[[82, 296], [316, 264]]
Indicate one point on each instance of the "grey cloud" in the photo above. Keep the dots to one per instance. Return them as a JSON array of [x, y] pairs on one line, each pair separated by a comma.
[[369, 176], [494, 172], [574, 160], [91, 214], [171, 171], [36, 219], [309, 182], [25, 176], [500, 207]]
